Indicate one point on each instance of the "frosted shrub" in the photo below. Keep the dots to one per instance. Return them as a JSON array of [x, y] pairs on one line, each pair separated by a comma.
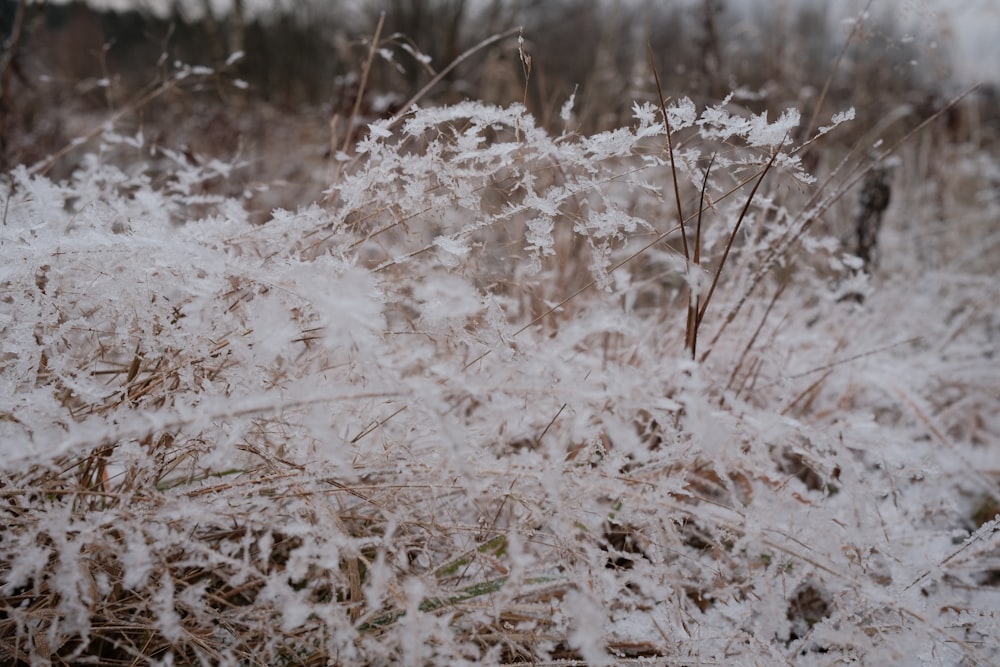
[[449, 416]]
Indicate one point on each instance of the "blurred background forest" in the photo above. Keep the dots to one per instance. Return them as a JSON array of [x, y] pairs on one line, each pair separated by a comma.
[[288, 104]]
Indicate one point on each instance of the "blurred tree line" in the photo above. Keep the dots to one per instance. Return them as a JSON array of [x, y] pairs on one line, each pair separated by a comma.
[[308, 56]]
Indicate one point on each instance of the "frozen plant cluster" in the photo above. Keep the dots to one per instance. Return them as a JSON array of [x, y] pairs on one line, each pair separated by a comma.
[[450, 415]]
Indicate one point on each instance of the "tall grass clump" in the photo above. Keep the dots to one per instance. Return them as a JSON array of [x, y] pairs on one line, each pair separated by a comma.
[[460, 412]]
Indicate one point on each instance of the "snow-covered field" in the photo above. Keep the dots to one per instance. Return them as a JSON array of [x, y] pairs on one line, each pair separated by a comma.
[[491, 402]]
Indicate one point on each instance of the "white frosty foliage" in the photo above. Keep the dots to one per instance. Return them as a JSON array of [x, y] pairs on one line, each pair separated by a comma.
[[452, 246], [588, 632], [717, 122], [837, 119], [403, 427], [683, 114], [168, 621], [566, 112]]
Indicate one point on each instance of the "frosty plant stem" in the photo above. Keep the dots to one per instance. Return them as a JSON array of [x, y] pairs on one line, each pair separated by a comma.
[[690, 330], [696, 307], [670, 151], [694, 320], [729, 245], [364, 79]]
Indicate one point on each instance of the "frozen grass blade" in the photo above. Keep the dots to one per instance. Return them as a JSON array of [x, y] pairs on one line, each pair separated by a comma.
[[728, 247], [365, 71], [670, 152], [694, 321]]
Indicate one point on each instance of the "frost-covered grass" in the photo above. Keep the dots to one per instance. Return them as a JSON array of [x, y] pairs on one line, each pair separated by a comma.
[[451, 414]]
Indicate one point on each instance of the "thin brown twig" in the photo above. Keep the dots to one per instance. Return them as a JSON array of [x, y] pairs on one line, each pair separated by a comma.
[[551, 422], [855, 357], [365, 71], [836, 66], [732, 235], [670, 150], [813, 210], [809, 391], [760, 327], [405, 108], [657, 239], [694, 302], [374, 425]]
